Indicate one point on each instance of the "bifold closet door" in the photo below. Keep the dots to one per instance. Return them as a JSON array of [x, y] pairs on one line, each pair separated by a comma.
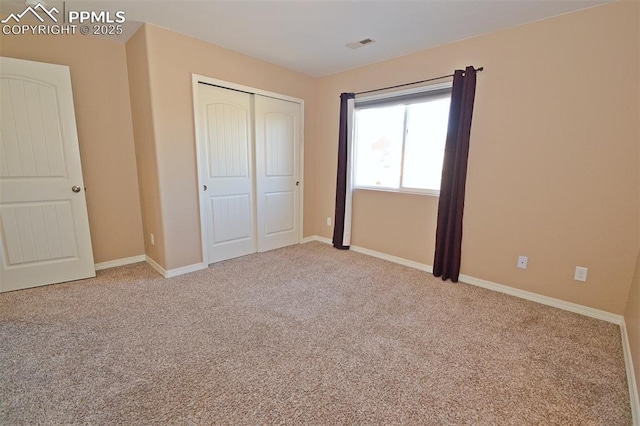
[[225, 126], [277, 172]]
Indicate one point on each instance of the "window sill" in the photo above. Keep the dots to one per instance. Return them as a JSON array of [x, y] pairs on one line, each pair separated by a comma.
[[424, 192]]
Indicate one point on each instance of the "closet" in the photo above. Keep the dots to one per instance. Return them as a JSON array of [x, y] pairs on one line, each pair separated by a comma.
[[249, 171]]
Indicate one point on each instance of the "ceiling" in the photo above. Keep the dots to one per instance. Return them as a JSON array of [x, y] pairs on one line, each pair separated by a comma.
[[310, 36]]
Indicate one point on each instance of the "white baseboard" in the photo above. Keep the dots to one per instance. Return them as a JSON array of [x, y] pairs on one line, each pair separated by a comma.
[[159, 269], [534, 297], [316, 238], [631, 377], [185, 270], [394, 259], [170, 273], [545, 300], [120, 262]]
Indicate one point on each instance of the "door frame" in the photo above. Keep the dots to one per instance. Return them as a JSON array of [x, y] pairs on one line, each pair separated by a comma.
[[196, 79]]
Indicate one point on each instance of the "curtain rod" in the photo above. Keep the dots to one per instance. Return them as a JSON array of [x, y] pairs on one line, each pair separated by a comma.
[[410, 84]]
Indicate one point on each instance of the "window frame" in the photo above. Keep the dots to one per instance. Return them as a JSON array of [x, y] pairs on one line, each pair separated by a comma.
[[381, 97]]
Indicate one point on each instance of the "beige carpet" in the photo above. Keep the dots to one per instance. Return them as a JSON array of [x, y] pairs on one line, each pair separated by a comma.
[[302, 335]]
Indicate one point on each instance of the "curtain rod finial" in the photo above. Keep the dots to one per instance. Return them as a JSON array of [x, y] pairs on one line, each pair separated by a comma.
[[480, 69]]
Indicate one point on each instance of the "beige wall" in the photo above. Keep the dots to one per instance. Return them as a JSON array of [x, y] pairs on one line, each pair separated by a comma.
[[101, 97], [172, 58], [370, 223], [144, 134], [553, 163], [632, 311]]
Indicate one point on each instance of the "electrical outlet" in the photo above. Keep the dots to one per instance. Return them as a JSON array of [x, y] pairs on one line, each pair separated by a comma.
[[581, 273], [153, 239], [328, 221], [522, 262]]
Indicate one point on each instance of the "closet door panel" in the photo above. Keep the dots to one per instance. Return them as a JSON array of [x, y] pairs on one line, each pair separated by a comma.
[[225, 129], [277, 172]]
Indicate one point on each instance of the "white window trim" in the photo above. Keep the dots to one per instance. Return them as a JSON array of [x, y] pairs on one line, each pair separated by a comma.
[[401, 189], [414, 191], [393, 94]]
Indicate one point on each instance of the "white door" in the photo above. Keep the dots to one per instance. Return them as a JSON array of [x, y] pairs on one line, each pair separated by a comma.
[[277, 172], [225, 126], [44, 227]]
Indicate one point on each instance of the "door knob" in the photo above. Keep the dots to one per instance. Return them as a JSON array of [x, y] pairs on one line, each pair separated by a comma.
[[205, 187], [75, 188], [298, 183]]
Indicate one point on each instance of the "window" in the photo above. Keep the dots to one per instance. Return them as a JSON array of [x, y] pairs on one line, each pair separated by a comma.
[[399, 141]]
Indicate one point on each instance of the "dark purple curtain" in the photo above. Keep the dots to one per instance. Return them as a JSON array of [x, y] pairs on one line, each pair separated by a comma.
[[341, 184], [454, 175]]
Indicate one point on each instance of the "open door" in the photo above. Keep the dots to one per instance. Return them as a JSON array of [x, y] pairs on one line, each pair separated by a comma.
[[44, 226]]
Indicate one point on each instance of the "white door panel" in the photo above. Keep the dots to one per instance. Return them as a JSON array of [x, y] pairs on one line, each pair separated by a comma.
[[277, 172], [279, 138], [228, 136], [226, 148], [31, 137], [279, 212], [38, 231], [44, 227], [231, 218]]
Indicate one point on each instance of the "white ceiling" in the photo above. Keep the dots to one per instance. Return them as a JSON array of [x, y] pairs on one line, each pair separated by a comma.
[[310, 36]]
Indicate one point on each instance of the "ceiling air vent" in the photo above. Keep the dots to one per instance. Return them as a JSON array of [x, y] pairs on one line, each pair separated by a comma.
[[361, 43]]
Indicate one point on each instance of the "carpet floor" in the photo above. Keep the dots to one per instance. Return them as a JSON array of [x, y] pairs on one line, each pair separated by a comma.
[[301, 335]]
